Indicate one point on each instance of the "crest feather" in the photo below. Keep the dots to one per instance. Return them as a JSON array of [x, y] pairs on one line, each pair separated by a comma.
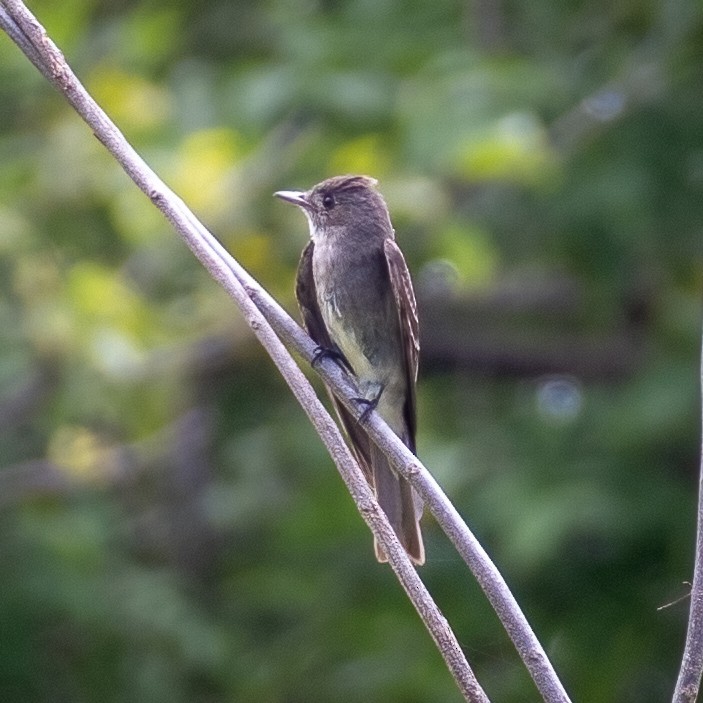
[[349, 182]]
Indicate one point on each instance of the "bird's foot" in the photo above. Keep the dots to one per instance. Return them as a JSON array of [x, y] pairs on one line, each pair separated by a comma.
[[327, 353], [369, 405]]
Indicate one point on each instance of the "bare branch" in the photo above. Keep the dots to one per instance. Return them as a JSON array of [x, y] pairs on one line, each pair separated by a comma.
[[689, 679], [269, 321]]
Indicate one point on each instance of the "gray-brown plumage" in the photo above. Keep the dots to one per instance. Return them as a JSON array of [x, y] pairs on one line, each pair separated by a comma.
[[356, 298]]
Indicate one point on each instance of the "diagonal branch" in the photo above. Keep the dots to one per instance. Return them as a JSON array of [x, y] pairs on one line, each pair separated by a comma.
[[271, 323]]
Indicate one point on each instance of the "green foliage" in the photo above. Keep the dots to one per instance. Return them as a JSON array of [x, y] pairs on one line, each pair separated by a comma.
[[171, 528]]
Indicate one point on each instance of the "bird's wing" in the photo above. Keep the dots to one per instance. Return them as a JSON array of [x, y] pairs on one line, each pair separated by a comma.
[[307, 300], [315, 325], [402, 288]]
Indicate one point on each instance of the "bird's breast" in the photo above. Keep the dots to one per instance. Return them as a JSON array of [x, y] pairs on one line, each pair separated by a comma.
[[358, 307]]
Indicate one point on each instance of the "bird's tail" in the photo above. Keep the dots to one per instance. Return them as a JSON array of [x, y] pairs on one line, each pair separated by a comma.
[[402, 506]]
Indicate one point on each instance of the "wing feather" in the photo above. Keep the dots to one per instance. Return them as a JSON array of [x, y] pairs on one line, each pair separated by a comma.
[[402, 287]]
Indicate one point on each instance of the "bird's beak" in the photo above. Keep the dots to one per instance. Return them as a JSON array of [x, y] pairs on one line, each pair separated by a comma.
[[296, 197]]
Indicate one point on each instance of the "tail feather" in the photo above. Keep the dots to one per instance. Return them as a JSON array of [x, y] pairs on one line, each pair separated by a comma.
[[399, 502]]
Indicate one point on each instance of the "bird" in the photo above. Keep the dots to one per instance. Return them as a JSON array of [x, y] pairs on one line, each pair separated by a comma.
[[357, 302]]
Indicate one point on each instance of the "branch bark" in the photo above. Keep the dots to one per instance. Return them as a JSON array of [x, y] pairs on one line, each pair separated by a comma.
[[270, 324]]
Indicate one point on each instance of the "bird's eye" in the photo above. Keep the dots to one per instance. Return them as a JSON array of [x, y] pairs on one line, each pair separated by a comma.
[[328, 201]]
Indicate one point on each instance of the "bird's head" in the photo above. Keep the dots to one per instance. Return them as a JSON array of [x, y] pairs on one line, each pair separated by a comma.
[[343, 204]]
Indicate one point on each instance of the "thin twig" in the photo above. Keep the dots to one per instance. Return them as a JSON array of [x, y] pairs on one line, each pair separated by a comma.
[[175, 210], [244, 289], [676, 601]]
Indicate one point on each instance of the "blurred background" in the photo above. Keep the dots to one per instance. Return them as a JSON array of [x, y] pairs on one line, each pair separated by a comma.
[[171, 528]]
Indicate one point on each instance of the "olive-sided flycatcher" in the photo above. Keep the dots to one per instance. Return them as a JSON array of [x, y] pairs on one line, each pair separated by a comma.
[[357, 302]]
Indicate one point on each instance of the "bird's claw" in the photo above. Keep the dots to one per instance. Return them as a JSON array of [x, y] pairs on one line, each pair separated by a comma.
[[325, 353], [371, 405]]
